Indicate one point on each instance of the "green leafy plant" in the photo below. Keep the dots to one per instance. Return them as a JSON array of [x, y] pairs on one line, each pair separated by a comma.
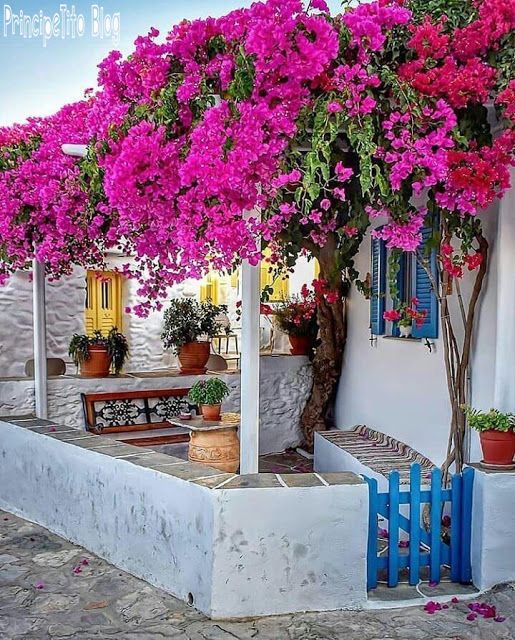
[[211, 391], [187, 320], [115, 343], [494, 420]]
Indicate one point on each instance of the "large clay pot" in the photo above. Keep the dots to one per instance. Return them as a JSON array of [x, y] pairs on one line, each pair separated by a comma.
[[219, 449], [193, 357], [299, 345], [498, 447], [211, 412], [98, 365]]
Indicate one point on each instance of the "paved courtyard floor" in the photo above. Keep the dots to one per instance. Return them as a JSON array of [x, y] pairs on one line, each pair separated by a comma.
[[50, 588]]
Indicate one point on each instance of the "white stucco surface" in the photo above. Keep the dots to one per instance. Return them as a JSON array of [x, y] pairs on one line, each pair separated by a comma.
[[285, 386], [305, 548], [399, 387], [493, 524], [235, 552], [64, 312]]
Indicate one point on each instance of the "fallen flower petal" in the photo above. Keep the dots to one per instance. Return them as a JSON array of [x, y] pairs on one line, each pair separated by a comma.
[[432, 607], [39, 585], [499, 619]]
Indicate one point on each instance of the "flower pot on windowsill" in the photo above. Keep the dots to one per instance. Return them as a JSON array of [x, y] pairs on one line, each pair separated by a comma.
[[498, 447], [97, 365], [193, 357], [299, 345], [211, 412], [405, 331]]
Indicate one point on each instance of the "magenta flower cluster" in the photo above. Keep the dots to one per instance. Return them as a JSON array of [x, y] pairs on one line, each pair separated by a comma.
[[188, 139]]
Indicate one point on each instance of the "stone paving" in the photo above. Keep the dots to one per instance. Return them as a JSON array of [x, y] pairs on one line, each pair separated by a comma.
[[50, 588]]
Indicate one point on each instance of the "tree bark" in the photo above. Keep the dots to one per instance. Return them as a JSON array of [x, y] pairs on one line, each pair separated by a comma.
[[327, 362]]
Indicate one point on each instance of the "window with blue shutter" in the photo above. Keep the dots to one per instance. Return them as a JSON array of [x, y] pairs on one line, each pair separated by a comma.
[[422, 288], [378, 287], [413, 281]]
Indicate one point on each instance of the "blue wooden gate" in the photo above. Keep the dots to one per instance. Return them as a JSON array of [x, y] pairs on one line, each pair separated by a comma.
[[424, 548]]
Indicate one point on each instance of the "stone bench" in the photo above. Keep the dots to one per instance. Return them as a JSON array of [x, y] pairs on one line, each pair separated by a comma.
[[367, 452]]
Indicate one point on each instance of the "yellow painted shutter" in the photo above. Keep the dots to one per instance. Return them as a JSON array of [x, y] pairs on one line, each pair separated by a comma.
[[91, 303], [210, 288], [103, 301], [279, 283], [316, 269]]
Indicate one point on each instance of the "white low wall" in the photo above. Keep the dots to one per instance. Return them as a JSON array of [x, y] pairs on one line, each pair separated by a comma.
[[330, 458], [493, 524], [285, 386], [257, 545]]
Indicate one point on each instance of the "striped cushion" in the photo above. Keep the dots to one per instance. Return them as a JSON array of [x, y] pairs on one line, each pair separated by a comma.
[[380, 452]]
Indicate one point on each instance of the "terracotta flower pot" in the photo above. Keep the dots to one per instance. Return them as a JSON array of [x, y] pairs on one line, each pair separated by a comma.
[[498, 446], [98, 365], [219, 449], [193, 357], [211, 412], [299, 345]]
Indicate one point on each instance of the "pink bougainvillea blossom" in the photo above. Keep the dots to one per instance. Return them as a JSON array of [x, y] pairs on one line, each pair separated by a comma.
[[193, 159]]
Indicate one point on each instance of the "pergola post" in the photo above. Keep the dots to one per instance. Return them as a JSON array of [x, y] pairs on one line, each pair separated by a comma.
[[504, 388], [39, 328], [250, 312]]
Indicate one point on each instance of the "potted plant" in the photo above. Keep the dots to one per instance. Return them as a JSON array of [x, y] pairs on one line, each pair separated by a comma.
[[209, 394], [296, 316], [495, 433], [188, 328], [96, 354], [404, 315]]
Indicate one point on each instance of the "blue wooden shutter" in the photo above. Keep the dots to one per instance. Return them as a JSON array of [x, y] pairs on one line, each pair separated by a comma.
[[378, 287], [402, 288], [423, 290]]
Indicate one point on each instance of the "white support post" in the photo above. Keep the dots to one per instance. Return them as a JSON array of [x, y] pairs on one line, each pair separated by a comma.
[[250, 311], [504, 391], [40, 355]]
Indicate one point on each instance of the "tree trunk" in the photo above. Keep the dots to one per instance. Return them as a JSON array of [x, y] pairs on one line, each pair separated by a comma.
[[327, 362]]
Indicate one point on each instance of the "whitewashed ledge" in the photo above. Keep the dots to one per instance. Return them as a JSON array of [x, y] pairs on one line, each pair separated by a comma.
[[285, 385], [232, 546]]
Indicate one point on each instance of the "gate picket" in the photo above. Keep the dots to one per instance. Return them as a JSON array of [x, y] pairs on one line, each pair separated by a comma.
[[387, 505], [414, 533], [393, 530]]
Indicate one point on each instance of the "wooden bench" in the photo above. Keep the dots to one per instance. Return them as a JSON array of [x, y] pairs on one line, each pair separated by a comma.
[[140, 418], [364, 450]]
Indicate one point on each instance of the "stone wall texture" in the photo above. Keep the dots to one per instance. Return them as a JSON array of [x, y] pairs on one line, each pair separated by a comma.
[[285, 386], [64, 314]]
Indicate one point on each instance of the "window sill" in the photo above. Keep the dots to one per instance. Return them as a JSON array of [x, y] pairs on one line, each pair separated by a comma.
[[411, 339]]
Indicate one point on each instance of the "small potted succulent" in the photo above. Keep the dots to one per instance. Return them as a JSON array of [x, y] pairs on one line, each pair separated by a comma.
[[495, 433], [405, 315], [296, 316], [97, 354], [209, 394], [188, 328]]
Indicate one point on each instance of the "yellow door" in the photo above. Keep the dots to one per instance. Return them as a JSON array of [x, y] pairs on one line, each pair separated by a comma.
[[278, 281], [210, 288], [103, 301]]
